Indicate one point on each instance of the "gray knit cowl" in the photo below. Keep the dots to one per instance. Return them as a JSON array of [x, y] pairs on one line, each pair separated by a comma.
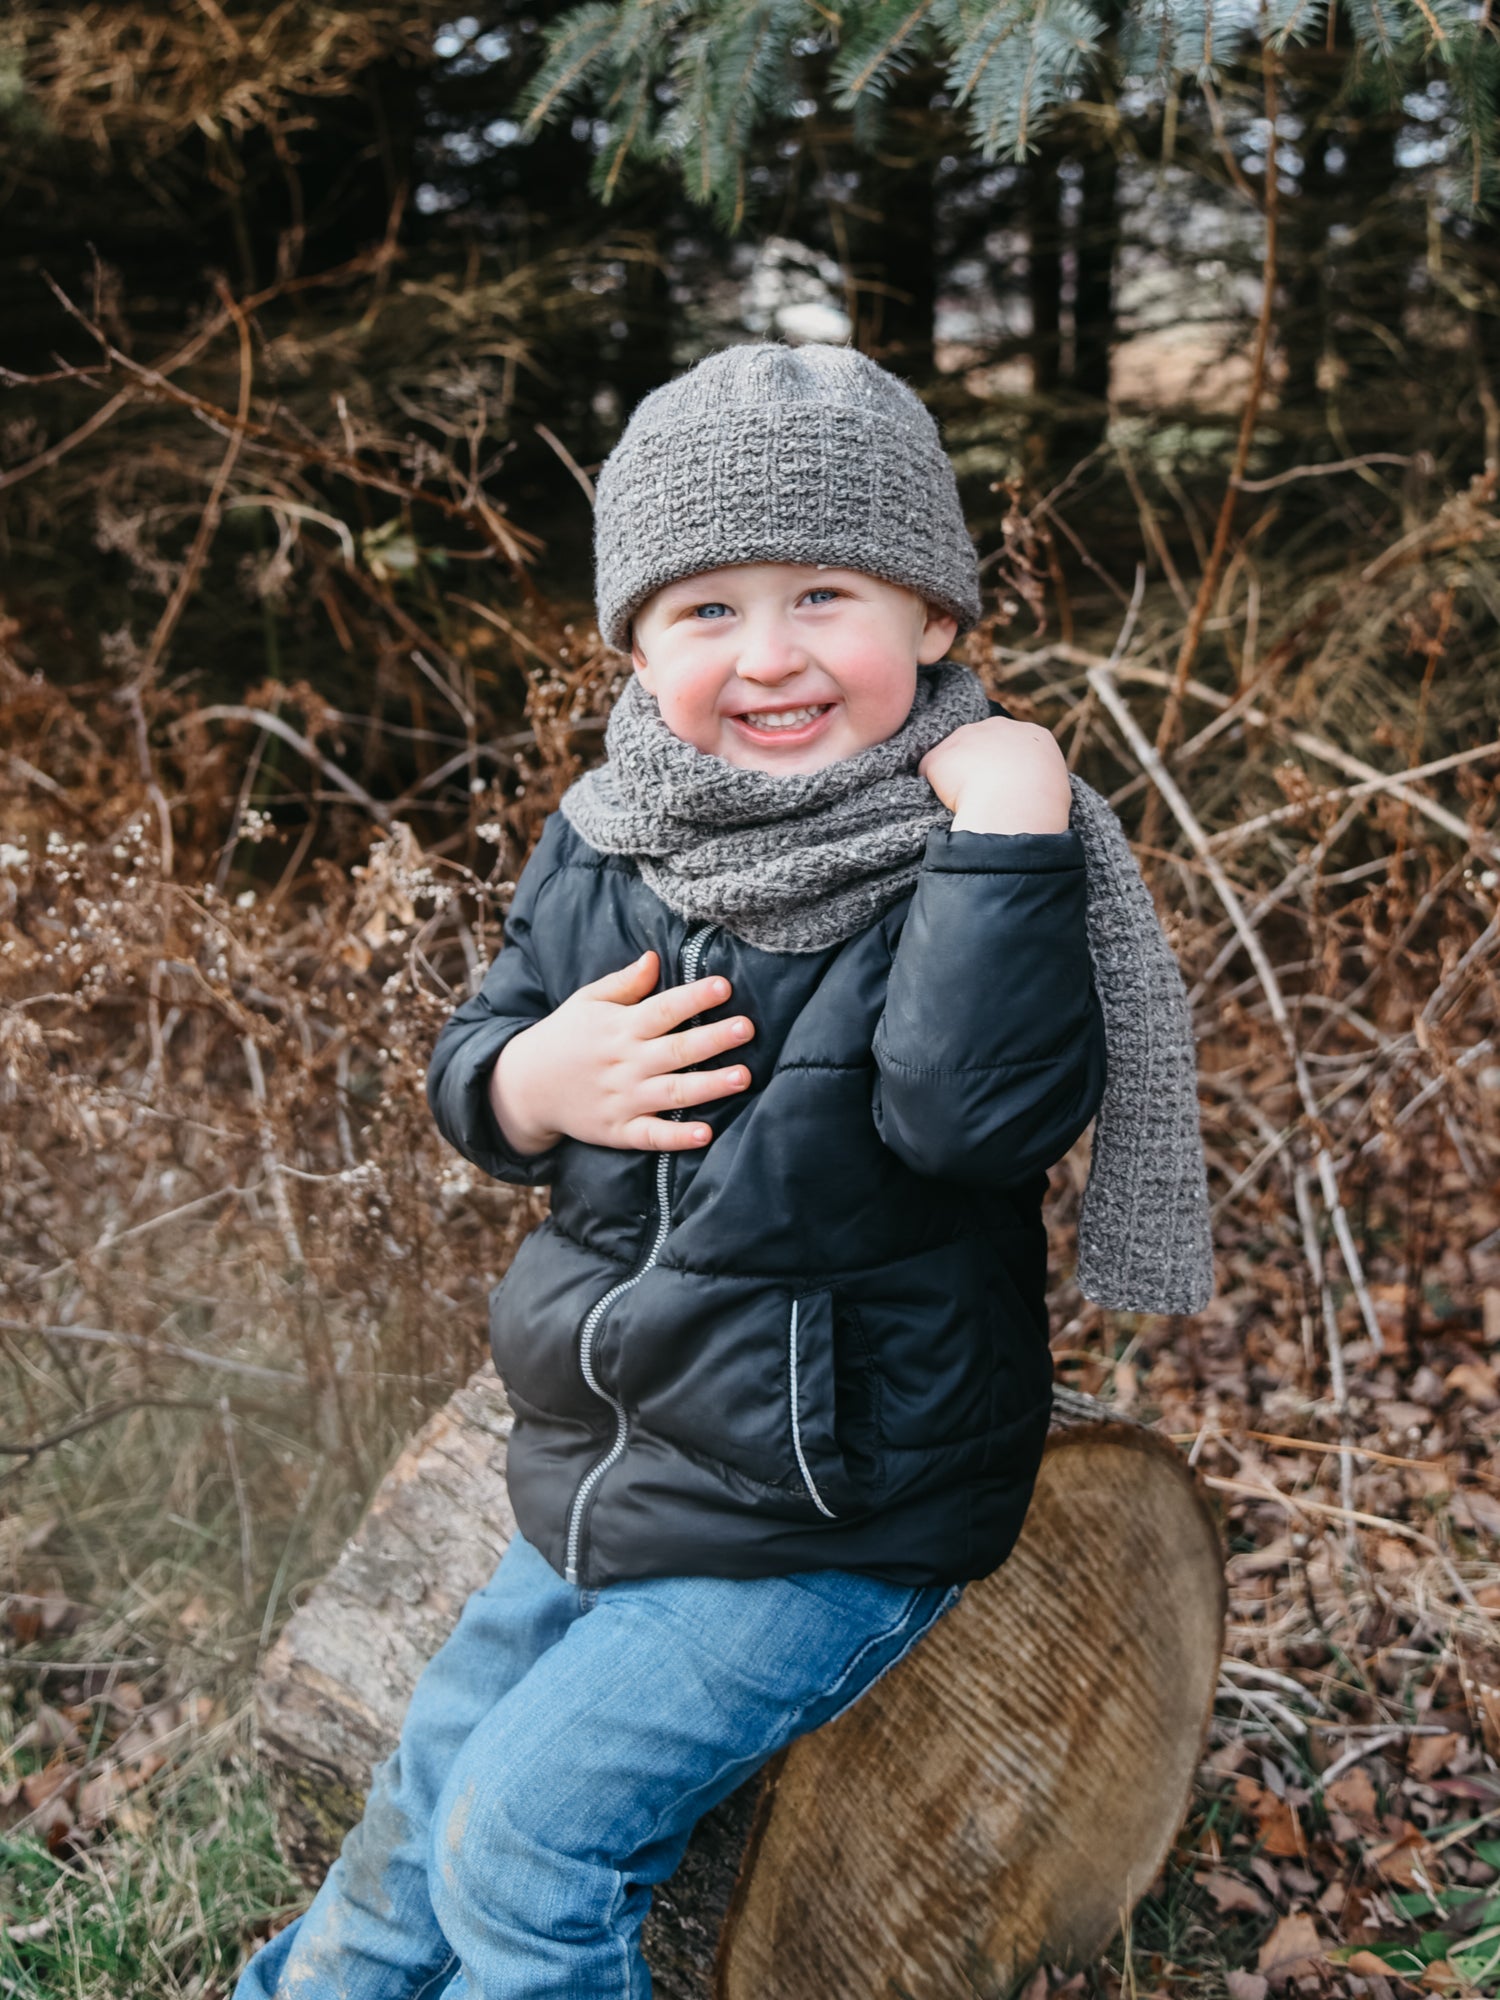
[[803, 861]]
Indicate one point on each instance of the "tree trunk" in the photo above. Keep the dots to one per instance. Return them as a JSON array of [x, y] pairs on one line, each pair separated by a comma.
[[998, 1800], [1098, 241], [892, 235], [1044, 271]]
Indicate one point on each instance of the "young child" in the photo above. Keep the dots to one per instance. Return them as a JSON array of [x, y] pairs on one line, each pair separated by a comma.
[[801, 994]]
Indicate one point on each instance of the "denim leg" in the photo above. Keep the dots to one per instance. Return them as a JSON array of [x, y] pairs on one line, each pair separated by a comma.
[[370, 1932], [577, 1792]]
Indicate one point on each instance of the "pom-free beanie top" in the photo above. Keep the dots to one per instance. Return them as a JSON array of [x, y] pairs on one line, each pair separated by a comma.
[[767, 453]]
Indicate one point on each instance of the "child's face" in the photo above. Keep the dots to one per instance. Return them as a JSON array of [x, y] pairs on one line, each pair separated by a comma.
[[785, 666]]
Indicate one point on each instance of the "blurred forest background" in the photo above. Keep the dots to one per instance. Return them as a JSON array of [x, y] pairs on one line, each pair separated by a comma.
[[315, 324]]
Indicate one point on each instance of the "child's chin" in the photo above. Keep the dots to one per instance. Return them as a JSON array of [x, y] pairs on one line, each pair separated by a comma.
[[796, 760], [790, 763]]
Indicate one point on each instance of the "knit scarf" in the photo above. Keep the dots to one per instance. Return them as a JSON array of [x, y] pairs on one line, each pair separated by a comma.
[[802, 861]]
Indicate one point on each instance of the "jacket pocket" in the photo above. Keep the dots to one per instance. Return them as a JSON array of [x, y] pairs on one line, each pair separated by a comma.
[[830, 1394], [536, 1313]]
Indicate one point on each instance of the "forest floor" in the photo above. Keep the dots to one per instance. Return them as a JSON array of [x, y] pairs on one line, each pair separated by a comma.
[[239, 1269]]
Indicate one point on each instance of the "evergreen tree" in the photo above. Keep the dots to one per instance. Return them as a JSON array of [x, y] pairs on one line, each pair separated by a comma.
[[689, 81]]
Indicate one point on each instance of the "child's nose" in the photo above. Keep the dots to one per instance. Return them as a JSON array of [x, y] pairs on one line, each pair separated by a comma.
[[771, 656]]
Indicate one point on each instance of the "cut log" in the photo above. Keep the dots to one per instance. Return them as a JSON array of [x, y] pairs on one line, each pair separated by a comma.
[[998, 1800]]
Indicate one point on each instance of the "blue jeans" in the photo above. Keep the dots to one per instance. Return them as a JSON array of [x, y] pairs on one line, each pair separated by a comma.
[[556, 1754]]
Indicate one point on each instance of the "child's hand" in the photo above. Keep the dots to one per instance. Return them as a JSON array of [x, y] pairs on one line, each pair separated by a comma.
[[1001, 776], [604, 1065]]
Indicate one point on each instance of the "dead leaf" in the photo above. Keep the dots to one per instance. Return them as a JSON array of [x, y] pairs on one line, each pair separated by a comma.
[[40, 1786], [1354, 1794], [1364, 1917], [1276, 1821], [1476, 1382], [1426, 1756], [54, 1822], [1368, 1965], [1479, 1676], [1405, 1861], [1267, 1873], [98, 1796], [1472, 1507], [1293, 1947], [32, 1618], [1233, 1892], [1491, 1316], [143, 1768], [1279, 1554], [1246, 1985], [1393, 1554]]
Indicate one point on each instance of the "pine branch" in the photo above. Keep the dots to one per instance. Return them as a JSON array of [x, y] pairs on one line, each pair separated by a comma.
[[731, 69], [870, 58], [578, 46]]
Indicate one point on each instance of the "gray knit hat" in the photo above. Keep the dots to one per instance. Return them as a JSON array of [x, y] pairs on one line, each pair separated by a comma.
[[768, 453]]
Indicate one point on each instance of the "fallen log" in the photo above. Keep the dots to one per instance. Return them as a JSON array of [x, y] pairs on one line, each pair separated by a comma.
[[999, 1800]]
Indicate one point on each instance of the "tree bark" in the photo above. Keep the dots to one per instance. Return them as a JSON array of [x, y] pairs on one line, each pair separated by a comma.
[[1098, 241], [996, 1801], [1044, 271]]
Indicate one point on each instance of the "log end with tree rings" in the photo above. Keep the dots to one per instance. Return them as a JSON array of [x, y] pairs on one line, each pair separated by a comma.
[[999, 1799], [1004, 1796]]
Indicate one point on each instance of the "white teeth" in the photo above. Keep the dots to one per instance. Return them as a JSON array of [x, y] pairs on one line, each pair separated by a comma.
[[783, 718]]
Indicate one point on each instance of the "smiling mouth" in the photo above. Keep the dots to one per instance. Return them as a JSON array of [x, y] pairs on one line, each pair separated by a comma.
[[784, 718]]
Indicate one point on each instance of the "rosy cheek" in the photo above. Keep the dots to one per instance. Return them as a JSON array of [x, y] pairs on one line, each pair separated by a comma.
[[689, 707]]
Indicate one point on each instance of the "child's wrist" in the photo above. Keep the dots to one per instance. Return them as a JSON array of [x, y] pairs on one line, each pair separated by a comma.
[[1009, 809], [513, 1095]]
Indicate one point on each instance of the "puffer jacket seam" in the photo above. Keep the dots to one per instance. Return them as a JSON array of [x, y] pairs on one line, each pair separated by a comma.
[[951, 1446], [1059, 867], [592, 1249], [888, 1061], [824, 1278], [695, 1454]]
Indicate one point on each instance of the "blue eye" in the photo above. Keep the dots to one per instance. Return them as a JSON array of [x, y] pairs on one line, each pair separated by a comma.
[[709, 607], [822, 590]]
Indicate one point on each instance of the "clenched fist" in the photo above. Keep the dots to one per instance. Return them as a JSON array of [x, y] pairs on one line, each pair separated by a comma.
[[1001, 776]]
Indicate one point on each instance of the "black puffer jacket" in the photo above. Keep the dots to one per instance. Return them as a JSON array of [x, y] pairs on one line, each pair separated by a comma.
[[820, 1341]]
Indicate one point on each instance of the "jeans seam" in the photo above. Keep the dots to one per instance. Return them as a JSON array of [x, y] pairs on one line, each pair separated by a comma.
[[431, 1985], [949, 1599], [757, 1757]]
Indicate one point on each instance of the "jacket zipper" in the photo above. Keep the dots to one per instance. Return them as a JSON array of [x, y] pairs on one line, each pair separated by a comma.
[[692, 953]]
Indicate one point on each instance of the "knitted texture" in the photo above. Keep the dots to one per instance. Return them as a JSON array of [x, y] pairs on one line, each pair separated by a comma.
[[767, 453], [803, 861]]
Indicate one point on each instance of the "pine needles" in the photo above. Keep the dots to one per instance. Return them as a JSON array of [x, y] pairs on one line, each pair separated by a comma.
[[690, 83]]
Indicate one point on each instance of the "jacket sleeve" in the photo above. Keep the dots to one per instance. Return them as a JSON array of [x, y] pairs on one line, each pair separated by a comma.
[[513, 996], [990, 1053]]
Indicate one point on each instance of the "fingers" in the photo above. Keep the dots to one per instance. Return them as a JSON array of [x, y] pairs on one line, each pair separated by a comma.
[[664, 1135], [696, 1045], [678, 1089], [630, 984], [634, 984], [665, 1011]]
